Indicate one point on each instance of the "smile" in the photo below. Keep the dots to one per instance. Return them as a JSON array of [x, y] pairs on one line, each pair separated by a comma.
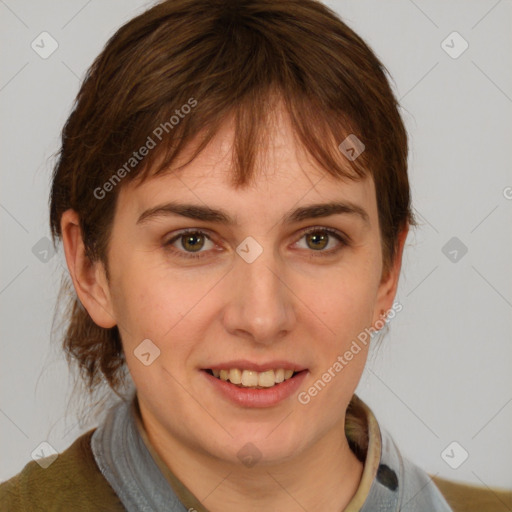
[[253, 379]]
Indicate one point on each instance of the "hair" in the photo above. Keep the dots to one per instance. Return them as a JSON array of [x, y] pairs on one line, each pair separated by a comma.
[[172, 75]]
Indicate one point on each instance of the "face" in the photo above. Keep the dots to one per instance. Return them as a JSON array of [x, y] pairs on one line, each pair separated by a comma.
[[251, 279]]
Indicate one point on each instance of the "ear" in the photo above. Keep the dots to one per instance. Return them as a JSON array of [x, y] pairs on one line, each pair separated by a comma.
[[89, 278], [389, 284]]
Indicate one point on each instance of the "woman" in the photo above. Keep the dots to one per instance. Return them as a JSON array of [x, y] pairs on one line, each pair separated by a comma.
[[233, 201]]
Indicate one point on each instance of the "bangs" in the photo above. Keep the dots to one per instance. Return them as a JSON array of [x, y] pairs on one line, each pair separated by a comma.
[[237, 62], [319, 133]]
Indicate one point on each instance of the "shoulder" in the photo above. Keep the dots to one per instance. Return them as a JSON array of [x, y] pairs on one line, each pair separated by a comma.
[[422, 489], [72, 482], [464, 497], [403, 485], [419, 491]]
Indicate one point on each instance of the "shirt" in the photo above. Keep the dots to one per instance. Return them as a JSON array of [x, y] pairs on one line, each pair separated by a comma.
[[144, 482], [74, 481]]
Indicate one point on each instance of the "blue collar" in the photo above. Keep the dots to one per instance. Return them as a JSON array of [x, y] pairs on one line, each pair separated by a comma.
[[132, 471]]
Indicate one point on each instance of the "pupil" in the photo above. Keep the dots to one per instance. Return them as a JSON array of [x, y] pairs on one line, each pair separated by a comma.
[[191, 241], [315, 238]]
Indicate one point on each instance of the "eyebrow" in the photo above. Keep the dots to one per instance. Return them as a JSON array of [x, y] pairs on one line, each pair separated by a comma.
[[207, 214]]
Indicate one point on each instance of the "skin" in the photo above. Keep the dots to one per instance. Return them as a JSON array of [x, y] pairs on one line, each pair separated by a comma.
[[291, 303]]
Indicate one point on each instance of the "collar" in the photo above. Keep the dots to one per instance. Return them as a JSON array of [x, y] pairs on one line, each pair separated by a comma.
[[143, 481], [365, 436]]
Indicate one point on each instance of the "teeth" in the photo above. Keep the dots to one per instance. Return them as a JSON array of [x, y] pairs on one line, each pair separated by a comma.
[[235, 376], [266, 379], [249, 378], [252, 379]]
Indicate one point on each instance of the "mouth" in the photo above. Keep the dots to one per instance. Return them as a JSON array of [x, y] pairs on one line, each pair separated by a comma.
[[251, 379]]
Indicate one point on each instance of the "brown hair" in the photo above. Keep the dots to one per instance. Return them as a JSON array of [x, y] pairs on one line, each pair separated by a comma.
[[221, 58]]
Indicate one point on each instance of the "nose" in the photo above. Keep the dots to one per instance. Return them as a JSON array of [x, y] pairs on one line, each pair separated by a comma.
[[261, 305]]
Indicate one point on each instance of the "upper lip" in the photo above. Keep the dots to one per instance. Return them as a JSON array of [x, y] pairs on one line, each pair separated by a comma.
[[243, 364]]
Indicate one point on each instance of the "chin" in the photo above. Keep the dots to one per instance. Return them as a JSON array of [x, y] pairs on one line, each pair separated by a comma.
[[263, 446]]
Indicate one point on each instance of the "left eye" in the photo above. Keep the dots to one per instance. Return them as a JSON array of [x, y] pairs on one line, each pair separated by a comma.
[[318, 239]]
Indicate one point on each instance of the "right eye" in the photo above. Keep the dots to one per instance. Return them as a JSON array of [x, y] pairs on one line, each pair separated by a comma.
[[188, 243]]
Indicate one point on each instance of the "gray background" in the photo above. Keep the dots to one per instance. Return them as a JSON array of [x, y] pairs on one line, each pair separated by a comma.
[[442, 374]]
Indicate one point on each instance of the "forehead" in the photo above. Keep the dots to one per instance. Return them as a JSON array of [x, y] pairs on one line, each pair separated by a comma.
[[284, 174]]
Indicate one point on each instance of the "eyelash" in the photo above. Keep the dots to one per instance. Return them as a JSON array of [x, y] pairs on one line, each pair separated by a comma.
[[316, 229]]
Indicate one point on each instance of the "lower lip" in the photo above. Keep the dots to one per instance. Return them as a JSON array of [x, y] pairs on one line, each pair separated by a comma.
[[250, 397]]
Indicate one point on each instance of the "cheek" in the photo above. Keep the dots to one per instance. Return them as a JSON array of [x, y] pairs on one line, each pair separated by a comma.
[[345, 305], [344, 300], [169, 308], [152, 309], [144, 304]]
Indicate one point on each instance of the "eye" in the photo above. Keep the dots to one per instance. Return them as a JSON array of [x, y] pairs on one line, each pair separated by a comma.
[[318, 238], [189, 243]]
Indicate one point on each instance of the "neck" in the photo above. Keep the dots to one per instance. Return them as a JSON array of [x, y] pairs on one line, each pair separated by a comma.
[[325, 476]]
